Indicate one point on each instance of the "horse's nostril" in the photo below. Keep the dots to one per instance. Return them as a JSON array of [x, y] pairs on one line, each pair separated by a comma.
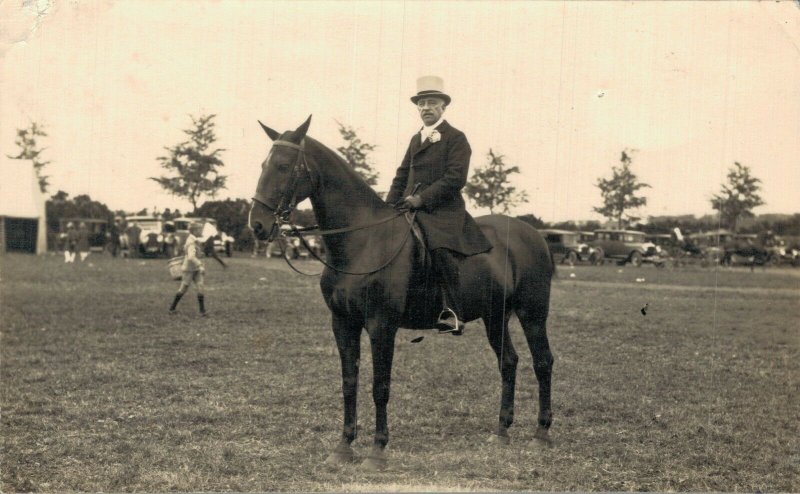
[[258, 227]]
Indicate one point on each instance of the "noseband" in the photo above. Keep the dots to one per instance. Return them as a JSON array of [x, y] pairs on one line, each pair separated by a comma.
[[288, 201]]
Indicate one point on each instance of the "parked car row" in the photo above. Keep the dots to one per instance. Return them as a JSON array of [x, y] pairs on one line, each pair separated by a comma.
[[148, 236], [637, 248], [621, 246], [570, 247]]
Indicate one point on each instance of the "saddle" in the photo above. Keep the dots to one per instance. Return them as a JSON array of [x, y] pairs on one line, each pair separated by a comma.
[[424, 296]]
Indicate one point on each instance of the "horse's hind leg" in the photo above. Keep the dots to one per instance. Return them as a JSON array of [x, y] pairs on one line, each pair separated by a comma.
[[534, 325], [497, 332], [348, 341]]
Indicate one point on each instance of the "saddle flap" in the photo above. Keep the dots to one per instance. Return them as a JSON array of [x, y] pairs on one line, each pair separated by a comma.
[[424, 300]]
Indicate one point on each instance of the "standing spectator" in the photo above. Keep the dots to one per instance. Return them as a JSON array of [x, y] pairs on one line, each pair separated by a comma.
[[114, 232], [133, 239], [123, 237], [83, 241], [71, 243]]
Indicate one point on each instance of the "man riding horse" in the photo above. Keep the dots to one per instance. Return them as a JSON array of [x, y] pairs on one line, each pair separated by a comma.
[[429, 181], [373, 281]]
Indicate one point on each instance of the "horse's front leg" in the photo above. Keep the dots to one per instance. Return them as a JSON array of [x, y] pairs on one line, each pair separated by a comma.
[[381, 336], [348, 340]]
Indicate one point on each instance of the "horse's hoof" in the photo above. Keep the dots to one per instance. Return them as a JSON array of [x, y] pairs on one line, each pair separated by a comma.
[[375, 462], [342, 455], [542, 438], [498, 439]]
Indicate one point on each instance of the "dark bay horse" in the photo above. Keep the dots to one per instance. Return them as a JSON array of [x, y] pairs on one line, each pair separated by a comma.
[[376, 280]]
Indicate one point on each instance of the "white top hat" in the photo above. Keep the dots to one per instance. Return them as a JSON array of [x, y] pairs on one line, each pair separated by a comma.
[[430, 86]]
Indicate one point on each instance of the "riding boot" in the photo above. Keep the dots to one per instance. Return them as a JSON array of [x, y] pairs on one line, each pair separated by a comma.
[[446, 268], [175, 302], [201, 301]]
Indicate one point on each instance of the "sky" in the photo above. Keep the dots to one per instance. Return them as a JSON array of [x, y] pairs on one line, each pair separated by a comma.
[[558, 89]]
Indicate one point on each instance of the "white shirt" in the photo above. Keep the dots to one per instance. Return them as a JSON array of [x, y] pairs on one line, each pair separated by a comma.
[[427, 130], [191, 262]]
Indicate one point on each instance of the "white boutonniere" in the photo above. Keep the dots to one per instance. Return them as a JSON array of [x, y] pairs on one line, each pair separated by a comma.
[[435, 136]]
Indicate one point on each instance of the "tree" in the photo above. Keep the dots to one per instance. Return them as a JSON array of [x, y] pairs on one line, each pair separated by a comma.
[[193, 166], [356, 153], [60, 206], [491, 188], [29, 150], [619, 193], [532, 220], [738, 197], [585, 226]]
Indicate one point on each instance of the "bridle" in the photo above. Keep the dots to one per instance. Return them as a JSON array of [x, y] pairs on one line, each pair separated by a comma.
[[288, 203], [288, 200]]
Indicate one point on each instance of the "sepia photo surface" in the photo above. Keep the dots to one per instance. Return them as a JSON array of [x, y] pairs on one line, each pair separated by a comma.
[[222, 230]]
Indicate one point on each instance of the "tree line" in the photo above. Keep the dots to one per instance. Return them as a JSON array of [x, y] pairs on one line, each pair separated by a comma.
[[193, 172]]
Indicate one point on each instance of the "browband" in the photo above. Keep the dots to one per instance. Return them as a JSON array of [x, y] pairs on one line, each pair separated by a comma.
[[288, 144]]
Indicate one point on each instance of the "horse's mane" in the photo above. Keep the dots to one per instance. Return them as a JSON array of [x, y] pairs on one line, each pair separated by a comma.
[[328, 157]]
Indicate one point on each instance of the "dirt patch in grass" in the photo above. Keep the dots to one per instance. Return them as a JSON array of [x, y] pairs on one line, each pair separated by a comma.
[[101, 390]]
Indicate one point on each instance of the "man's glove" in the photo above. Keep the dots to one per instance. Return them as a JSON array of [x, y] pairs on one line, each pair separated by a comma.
[[410, 202]]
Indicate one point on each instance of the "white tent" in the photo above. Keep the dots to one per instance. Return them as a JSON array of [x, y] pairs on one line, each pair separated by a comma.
[[22, 208]]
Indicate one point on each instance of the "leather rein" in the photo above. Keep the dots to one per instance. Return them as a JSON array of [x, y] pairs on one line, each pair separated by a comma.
[[288, 203]]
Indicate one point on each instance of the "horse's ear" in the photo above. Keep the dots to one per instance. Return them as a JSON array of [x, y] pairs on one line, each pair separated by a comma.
[[300, 132], [271, 133]]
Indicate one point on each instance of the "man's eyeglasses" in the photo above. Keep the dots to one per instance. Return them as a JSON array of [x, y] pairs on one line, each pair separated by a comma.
[[429, 103]]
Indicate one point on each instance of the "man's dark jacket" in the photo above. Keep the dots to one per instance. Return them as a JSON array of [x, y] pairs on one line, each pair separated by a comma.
[[441, 168]]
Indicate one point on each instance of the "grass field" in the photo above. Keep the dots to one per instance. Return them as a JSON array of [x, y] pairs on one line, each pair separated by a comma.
[[103, 391]]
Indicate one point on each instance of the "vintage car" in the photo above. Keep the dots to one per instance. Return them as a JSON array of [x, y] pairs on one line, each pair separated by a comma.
[[680, 250], [747, 249], [712, 244], [781, 253], [152, 241], [171, 239], [222, 241], [566, 246], [626, 246], [663, 240], [669, 245], [776, 249]]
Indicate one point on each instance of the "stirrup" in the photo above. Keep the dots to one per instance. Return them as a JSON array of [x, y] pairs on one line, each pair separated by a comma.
[[448, 322]]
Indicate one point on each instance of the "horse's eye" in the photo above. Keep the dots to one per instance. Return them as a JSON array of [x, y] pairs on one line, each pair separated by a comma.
[[283, 166]]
